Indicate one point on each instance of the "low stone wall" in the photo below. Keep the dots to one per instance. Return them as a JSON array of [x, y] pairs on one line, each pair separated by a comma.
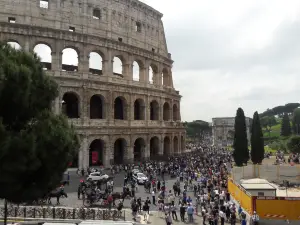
[[43, 212]]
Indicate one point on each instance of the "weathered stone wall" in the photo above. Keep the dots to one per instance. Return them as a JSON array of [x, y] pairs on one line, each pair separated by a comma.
[[127, 29]]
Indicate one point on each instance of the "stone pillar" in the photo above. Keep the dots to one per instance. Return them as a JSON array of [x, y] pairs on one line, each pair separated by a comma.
[[147, 151], [161, 111], [129, 156], [171, 111], [84, 153], [161, 149], [179, 144], [83, 63], [127, 71], [108, 155], [107, 64], [56, 61], [144, 73]]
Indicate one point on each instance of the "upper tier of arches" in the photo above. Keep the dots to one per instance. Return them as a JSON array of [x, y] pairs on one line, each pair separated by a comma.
[[100, 61]]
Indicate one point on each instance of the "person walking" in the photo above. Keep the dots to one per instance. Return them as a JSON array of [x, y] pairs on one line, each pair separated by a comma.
[[153, 198], [182, 212], [173, 211], [168, 219], [190, 212]]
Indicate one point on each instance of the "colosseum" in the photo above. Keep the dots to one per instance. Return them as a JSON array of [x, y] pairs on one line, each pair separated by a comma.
[[118, 92]]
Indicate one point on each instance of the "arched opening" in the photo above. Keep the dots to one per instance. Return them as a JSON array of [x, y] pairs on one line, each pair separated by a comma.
[[154, 148], [117, 67], [166, 112], [96, 153], [119, 151], [69, 60], [139, 109], [97, 14], [44, 52], [175, 113], [165, 77], [14, 45], [151, 75], [70, 105], [154, 110], [95, 63], [176, 145], [136, 71], [139, 150], [167, 146], [96, 107], [182, 144], [120, 112]]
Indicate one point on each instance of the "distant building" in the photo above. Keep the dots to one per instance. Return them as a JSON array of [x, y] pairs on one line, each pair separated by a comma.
[[223, 130]]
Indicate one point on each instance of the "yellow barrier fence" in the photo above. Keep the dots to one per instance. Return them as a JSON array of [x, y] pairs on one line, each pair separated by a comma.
[[241, 196], [278, 208]]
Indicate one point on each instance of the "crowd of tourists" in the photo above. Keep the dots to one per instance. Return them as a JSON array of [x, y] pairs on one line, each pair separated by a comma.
[[199, 187]]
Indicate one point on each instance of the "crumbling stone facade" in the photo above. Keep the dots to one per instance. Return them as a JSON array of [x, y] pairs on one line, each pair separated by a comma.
[[118, 119]]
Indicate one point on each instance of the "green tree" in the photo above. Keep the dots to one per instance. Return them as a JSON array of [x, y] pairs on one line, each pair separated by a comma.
[[35, 145], [257, 141], [285, 126], [293, 144], [240, 142], [296, 121], [267, 122]]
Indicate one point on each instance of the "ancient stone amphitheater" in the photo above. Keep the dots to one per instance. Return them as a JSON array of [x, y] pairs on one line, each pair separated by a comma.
[[118, 91]]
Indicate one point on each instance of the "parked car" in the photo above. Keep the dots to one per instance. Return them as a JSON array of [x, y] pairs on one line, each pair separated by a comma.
[[95, 176], [140, 178]]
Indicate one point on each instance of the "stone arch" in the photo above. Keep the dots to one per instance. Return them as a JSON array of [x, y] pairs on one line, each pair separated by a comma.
[[95, 63], [69, 59], [139, 109], [44, 52], [139, 150], [120, 108], [167, 146], [176, 145], [166, 111], [152, 73], [154, 148], [14, 44], [165, 77], [70, 105], [154, 110], [97, 109], [120, 146], [175, 113], [97, 153], [118, 66], [182, 144], [96, 14]]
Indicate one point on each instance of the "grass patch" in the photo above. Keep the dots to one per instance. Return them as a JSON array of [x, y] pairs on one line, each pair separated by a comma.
[[275, 130]]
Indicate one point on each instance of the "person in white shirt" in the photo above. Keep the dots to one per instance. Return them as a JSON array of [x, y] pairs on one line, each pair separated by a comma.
[[255, 218], [222, 217]]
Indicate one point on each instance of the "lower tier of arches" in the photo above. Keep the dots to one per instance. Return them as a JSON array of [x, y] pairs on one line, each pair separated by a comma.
[[106, 150]]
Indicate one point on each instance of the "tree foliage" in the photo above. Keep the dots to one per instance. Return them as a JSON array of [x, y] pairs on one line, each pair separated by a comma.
[[197, 129], [35, 145], [257, 141], [240, 142], [296, 121], [267, 122], [285, 126], [293, 144], [280, 110]]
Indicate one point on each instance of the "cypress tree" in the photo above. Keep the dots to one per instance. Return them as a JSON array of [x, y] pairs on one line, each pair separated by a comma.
[[257, 141], [285, 126], [240, 143]]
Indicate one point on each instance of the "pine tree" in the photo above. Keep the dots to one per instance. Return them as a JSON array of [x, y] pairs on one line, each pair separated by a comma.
[[240, 143], [286, 126], [257, 141]]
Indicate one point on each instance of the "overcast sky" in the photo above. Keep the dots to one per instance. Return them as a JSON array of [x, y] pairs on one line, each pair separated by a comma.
[[232, 53]]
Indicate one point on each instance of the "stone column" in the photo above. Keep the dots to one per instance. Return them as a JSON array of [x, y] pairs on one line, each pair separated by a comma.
[[179, 143], [108, 155], [147, 151], [83, 63], [171, 111], [129, 156], [84, 153], [161, 111], [161, 149], [56, 61], [127, 71], [107, 64]]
